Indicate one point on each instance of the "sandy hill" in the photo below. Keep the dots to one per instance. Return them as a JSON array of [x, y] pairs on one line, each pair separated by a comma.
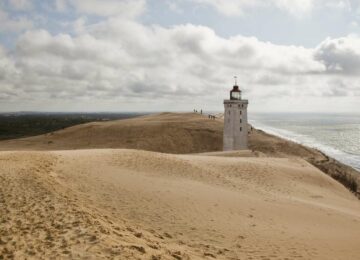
[[165, 132], [269, 203], [130, 204]]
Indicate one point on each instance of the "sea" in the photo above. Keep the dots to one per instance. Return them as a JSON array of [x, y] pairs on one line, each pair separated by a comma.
[[337, 135]]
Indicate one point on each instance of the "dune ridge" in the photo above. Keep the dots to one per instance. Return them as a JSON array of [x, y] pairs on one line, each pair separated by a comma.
[[165, 132]]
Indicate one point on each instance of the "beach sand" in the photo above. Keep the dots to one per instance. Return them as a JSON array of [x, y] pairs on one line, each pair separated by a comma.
[[135, 204]]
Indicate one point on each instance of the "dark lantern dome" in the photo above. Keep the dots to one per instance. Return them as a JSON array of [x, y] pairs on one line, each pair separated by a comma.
[[235, 93]]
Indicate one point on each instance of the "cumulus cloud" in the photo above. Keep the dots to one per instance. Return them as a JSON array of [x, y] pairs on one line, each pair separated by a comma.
[[341, 55], [122, 58]]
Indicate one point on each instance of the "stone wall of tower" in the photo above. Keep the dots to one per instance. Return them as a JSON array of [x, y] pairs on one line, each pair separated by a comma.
[[235, 125]]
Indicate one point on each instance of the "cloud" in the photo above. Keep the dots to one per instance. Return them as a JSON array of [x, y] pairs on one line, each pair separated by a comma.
[[6, 66], [123, 59], [13, 24], [293, 7], [21, 4], [123, 8], [343, 4], [341, 55], [174, 6], [60, 5], [8, 76], [229, 7], [354, 24]]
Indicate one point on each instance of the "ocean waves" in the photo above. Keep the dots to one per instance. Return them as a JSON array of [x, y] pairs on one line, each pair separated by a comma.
[[334, 136]]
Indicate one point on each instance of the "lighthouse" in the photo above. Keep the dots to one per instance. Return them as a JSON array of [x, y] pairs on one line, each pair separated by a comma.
[[235, 121]]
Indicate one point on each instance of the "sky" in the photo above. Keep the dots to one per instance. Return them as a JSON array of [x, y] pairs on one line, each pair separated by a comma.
[[163, 55]]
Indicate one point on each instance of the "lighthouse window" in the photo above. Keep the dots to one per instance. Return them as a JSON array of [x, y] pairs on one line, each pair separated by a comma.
[[240, 112], [240, 129], [239, 106], [242, 105], [240, 121]]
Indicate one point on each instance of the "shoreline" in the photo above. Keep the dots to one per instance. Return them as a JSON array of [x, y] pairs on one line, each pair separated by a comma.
[[347, 175], [326, 149]]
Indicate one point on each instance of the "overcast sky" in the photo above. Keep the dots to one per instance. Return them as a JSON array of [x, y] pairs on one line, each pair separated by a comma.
[[163, 55]]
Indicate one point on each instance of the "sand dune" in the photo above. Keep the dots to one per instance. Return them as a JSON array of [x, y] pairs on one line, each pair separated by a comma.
[[268, 203], [145, 205], [166, 132], [177, 133]]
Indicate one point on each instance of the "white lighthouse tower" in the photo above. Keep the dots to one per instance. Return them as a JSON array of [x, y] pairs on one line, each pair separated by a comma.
[[235, 121]]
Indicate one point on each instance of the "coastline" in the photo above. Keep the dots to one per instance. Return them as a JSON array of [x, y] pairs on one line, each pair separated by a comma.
[[347, 158], [270, 145]]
